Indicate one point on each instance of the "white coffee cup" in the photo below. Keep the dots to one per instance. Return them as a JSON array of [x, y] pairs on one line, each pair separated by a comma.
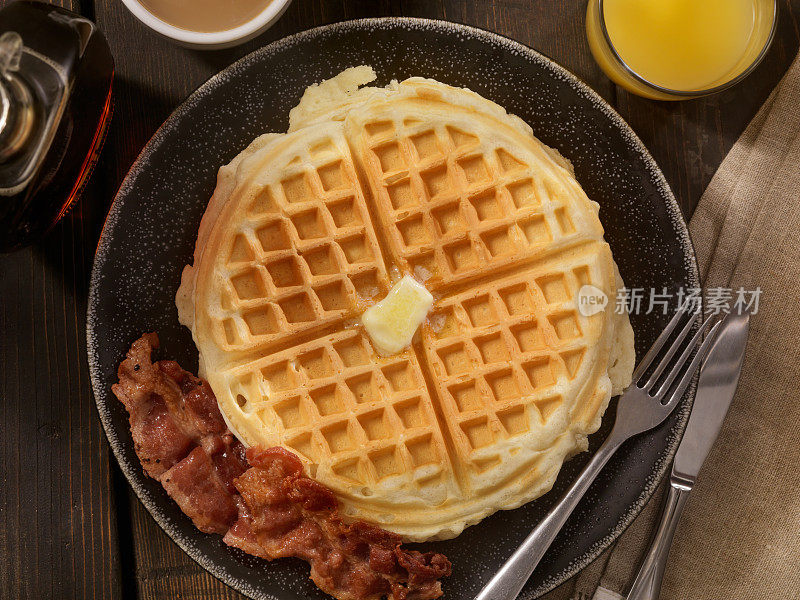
[[211, 40]]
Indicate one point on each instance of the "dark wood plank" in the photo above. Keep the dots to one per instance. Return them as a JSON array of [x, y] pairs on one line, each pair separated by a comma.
[[57, 520], [57, 524], [163, 570]]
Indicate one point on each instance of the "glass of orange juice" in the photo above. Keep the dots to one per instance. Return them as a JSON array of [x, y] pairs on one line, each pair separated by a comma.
[[678, 49]]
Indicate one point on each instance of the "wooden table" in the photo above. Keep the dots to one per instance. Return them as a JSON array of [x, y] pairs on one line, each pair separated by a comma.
[[70, 527]]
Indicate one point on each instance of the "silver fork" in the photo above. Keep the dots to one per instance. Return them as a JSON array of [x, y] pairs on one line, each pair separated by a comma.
[[643, 405]]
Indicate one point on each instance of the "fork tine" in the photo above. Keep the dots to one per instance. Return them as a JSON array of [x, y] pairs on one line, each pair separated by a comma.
[[659, 343], [673, 349], [701, 356], [693, 366]]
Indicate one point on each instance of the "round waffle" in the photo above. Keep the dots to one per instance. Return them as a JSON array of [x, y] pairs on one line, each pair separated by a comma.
[[506, 377]]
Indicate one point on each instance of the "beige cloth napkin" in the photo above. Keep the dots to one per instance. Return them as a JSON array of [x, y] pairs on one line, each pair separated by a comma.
[[739, 537]]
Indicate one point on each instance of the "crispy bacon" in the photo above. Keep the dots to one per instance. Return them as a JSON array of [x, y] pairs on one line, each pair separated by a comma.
[[259, 500], [289, 514], [181, 437]]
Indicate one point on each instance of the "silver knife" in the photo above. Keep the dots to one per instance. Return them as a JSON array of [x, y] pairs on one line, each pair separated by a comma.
[[716, 387]]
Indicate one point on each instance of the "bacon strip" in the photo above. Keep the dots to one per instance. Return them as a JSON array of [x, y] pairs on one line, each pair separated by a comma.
[[259, 500], [180, 436], [289, 514]]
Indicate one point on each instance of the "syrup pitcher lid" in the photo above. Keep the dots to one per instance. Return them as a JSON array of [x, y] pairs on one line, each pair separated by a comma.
[[17, 113]]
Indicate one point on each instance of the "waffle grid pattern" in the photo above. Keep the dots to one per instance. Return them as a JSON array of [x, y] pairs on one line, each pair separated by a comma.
[[335, 401], [306, 256], [450, 205], [498, 355]]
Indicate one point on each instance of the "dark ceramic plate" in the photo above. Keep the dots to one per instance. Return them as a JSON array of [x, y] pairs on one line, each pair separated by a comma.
[[151, 229]]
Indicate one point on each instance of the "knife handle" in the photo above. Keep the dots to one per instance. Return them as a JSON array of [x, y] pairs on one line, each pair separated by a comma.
[[647, 584]]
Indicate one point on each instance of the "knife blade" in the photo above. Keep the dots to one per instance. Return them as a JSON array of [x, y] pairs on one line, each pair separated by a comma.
[[719, 377]]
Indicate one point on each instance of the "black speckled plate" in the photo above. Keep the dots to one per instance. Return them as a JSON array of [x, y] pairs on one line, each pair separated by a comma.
[[151, 229]]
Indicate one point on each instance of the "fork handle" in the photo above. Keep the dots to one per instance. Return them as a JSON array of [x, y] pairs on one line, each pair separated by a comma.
[[510, 579], [647, 584]]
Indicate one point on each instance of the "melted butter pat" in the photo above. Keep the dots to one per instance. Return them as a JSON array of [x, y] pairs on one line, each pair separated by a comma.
[[392, 322]]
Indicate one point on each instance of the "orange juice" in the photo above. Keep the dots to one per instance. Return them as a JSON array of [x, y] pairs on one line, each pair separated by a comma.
[[680, 46]]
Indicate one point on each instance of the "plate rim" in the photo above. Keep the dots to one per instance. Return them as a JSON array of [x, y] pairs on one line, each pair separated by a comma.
[[412, 23]]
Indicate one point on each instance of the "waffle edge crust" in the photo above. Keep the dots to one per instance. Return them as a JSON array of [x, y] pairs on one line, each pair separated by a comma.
[[506, 377]]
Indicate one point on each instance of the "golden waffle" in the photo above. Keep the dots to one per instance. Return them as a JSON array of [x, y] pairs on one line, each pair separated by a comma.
[[506, 377], [304, 254]]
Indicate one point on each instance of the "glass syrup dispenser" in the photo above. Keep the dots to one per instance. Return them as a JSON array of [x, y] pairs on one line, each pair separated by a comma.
[[56, 72]]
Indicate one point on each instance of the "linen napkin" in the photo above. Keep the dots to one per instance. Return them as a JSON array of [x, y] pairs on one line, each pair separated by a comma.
[[739, 537]]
